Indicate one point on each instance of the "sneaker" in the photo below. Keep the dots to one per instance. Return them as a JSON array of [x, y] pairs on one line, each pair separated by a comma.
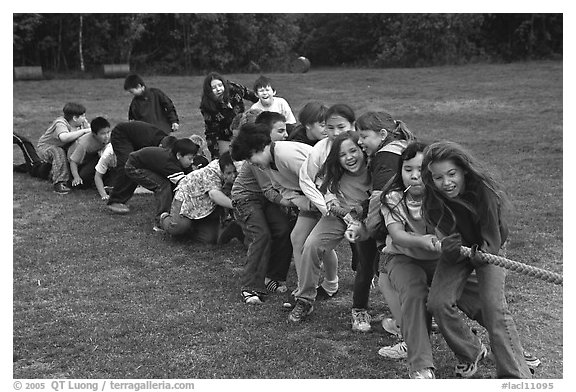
[[426, 373], [157, 229], [397, 351], [360, 320], [61, 188], [531, 360], [434, 326], [118, 208], [251, 297], [140, 190], [301, 310], [390, 326], [321, 293], [275, 286], [467, 370]]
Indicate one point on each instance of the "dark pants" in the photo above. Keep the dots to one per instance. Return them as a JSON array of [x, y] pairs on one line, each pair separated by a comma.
[[267, 229], [33, 165], [368, 257], [154, 182], [87, 170]]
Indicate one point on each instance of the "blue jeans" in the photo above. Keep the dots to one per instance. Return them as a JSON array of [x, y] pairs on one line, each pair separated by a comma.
[[481, 298], [267, 229]]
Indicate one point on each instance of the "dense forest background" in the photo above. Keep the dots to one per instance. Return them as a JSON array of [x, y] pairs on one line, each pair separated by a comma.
[[188, 44]]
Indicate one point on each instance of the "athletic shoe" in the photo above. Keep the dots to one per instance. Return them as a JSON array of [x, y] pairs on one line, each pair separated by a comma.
[[434, 326], [467, 370], [252, 297], [390, 326], [531, 360], [360, 320], [61, 188], [397, 351], [118, 208], [140, 190], [301, 310], [426, 373], [157, 229], [275, 286]]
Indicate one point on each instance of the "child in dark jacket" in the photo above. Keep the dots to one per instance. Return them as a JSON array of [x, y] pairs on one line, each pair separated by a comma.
[[221, 101], [159, 169], [151, 105]]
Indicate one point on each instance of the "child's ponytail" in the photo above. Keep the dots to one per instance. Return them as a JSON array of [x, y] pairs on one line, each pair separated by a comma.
[[401, 132]]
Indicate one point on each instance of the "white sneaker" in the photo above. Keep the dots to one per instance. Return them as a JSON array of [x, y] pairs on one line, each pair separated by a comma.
[[360, 320], [397, 351], [426, 373], [390, 326]]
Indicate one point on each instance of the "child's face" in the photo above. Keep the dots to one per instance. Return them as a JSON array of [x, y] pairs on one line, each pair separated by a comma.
[[261, 159], [103, 135], [411, 175], [448, 178], [185, 160], [370, 140], [266, 95], [336, 124], [229, 174], [217, 87], [278, 132], [136, 91], [316, 131], [78, 120], [351, 156]]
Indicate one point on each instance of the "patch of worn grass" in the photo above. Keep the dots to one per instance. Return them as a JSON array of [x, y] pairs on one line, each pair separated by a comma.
[[98, 295]]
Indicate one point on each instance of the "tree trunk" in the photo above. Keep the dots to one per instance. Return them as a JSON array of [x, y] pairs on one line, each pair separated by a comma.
[[81, 55]]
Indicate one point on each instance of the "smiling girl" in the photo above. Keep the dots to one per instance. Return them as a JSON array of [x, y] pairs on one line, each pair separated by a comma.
[[346, 185]]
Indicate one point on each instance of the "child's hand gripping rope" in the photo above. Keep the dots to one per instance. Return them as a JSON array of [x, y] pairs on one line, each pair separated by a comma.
[[452, 249]]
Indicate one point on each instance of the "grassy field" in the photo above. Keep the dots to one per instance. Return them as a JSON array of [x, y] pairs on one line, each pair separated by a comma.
[[97, 295]]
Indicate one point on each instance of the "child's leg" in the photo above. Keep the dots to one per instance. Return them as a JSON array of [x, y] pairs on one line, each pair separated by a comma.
[[123, 186], [154, 182], [174, 223], [446, 288], [281, 249], [484, 300], [325, 236], [410, 279], [28, 150], [87, 170], [366, 252], [206, 229], [304, 225], [255, 227], [390, 296], [57, 157]]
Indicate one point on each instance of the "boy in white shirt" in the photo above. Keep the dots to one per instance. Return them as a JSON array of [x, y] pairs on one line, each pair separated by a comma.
[[267, 101]]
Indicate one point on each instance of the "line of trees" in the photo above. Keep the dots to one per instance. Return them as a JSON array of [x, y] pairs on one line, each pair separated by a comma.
[[195, 43]]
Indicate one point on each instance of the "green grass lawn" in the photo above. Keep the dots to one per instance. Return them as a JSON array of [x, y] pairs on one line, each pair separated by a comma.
[[97, 295]]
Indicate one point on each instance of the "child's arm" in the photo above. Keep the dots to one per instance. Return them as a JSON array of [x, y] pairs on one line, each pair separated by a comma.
[[69, 137], [76, 179], [405, 239], [220, 198], [99, 182], [169, 109], [307, 172]]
